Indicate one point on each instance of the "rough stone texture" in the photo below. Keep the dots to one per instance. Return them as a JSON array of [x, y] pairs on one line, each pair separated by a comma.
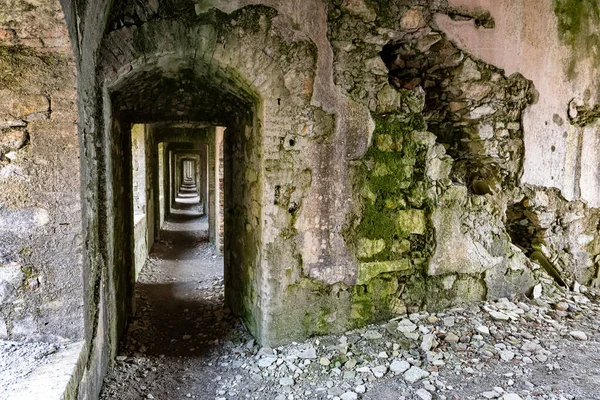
[[548, 44], [379, 158], [41, 285]]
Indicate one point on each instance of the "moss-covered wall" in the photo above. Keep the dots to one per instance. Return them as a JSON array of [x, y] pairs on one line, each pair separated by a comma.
[[578, 21], [374, 165], [428, 227]]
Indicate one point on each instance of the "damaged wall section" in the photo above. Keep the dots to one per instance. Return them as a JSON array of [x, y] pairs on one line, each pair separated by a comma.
[[41, 283]]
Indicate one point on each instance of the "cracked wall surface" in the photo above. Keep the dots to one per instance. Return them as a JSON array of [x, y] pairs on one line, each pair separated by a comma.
[[380, 157], [41, 282]]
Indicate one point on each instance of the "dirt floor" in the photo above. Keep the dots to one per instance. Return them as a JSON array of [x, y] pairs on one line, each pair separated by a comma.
[[183, 344]]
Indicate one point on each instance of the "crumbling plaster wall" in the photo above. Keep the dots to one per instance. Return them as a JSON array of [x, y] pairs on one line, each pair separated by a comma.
[[377, 144], [554, 44], [41, 285]]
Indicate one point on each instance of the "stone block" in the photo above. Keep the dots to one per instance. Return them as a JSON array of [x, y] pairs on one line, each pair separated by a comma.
[[439, 168], [17, 105], [367, 271], [388, 100], [359, 9], [412, 20], [368, 248], [412, 221], [12, 140]]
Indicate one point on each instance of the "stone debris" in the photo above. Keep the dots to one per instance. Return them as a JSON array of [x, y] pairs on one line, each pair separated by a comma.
[[491, 394], [415, 374], [349, 396], [428, 342], [286, 381], [579, 335], [511, 396], [425, 355], [537, 291], [499, 316], [424, 394], [379, 371], [484, 330], [372, 335], [451, 338], [399, 367]]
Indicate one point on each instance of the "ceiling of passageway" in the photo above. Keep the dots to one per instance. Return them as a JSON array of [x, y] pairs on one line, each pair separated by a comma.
[[153, 96], [136, 12]]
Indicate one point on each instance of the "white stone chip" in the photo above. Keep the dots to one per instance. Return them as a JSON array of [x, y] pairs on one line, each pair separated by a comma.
[[537, 291], [379, 371], [579, 335], [349, 396], [406, 326], [428, 342], [286, 381], [415, 374], [507, 355], [424, 394], [399, 367], [491, 395], [484, 330], [511, 396], [498, 316]]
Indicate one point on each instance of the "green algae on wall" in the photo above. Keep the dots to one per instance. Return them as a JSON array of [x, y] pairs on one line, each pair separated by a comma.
[[24, 67], [577, 28], [391, 234], [393, 223]]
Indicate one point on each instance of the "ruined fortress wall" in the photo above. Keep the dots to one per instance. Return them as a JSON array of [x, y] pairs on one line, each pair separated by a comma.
[[395, 155], [41, 284]]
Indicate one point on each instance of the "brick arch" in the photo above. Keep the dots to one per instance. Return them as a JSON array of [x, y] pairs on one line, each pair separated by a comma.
[[274, 79]]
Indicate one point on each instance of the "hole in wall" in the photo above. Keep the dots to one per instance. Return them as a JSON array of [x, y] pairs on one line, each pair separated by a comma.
[[526, 232]]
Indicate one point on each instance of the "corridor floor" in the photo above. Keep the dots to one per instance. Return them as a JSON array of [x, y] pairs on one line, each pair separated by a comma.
[[179, 321]]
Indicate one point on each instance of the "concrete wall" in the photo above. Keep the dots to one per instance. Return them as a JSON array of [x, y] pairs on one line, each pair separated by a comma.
[[140, 202], [216, 223], [162, 185], [144, 180]]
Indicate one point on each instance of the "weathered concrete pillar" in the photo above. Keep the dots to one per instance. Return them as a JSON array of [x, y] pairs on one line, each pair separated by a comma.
[[215, 165], [211, 184], [219, 175], [162, 186], [168, 181], [173, 183], [203, 186]]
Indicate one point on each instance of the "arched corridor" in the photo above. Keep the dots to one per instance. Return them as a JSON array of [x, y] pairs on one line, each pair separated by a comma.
[[316, 199], [180, 315]]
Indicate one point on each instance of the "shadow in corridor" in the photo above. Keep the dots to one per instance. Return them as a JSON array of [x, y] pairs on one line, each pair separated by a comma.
[[180, 324], [179, 295]]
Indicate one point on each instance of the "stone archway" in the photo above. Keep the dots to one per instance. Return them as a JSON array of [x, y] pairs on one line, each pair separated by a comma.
[[254, 137]]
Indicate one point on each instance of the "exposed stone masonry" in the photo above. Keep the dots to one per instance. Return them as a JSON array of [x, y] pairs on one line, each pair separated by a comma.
[[378, 158], [40, 212]]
